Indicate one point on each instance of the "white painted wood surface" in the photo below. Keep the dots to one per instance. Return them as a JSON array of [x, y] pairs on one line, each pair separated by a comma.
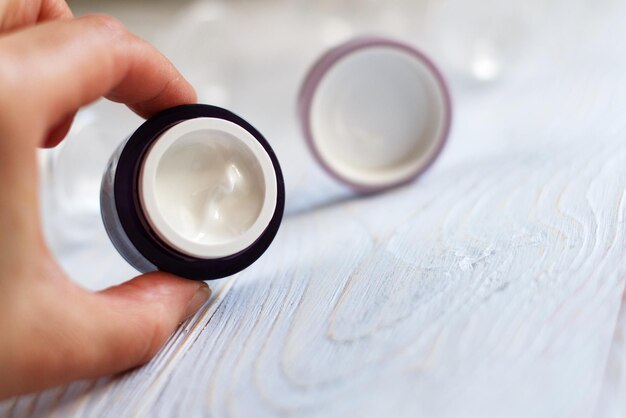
[[492, 287]]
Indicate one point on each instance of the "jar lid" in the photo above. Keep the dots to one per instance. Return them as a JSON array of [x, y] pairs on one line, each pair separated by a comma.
[[375, 113]]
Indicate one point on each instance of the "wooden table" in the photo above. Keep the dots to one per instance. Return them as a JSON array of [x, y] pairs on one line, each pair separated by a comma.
[[493, 286]]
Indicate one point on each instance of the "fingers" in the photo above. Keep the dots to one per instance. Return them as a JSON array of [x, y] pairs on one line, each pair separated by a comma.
[[55, 68], [15, 14], [53, 9], [58, 132], [136, 318], [77, 334]]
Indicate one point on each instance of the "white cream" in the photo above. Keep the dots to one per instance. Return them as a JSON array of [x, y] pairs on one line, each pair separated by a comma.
[[208, 188], [377, 116]]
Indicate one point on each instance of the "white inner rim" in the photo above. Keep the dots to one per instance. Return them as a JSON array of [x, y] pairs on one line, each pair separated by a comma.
[[377, 116], [208, 188]]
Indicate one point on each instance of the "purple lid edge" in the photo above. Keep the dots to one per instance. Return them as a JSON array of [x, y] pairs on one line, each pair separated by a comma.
[[326, 62]]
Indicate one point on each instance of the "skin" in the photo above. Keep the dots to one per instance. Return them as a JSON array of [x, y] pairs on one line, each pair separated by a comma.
[[51, 330]]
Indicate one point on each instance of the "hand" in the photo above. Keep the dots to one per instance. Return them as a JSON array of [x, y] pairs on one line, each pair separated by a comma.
[[51, 330]]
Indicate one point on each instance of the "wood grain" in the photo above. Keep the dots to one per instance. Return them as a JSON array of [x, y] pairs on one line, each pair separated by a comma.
[[494, 286]]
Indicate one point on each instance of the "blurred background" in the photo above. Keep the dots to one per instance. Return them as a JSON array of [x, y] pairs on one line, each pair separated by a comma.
[[513, 67]]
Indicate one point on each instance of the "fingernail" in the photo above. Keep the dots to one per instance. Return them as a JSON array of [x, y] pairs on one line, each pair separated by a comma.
[[198, 299]]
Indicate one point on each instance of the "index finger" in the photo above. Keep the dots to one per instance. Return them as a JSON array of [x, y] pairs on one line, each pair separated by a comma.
[[57, 67], [15, 14]]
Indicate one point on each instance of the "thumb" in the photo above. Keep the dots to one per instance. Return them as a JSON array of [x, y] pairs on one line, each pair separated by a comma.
[[137, 317], [75, 334]]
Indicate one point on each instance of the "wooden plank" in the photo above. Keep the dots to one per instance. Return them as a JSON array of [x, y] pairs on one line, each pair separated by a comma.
[[472, 306], [487, 288]]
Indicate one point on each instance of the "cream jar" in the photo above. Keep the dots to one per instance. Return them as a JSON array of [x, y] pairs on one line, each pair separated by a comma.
[[195, 191]]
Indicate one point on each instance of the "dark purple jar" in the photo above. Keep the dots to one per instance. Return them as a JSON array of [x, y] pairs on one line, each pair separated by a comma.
[[196, 191]]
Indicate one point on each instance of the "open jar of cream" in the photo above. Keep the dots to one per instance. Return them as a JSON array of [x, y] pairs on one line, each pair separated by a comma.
[[196, 191]]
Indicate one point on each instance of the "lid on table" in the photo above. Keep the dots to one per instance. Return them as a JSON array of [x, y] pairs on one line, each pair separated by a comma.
[[375, 113]]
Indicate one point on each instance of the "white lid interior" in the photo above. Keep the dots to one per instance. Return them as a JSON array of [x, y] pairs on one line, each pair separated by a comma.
[[208, 188], [378, 116]]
